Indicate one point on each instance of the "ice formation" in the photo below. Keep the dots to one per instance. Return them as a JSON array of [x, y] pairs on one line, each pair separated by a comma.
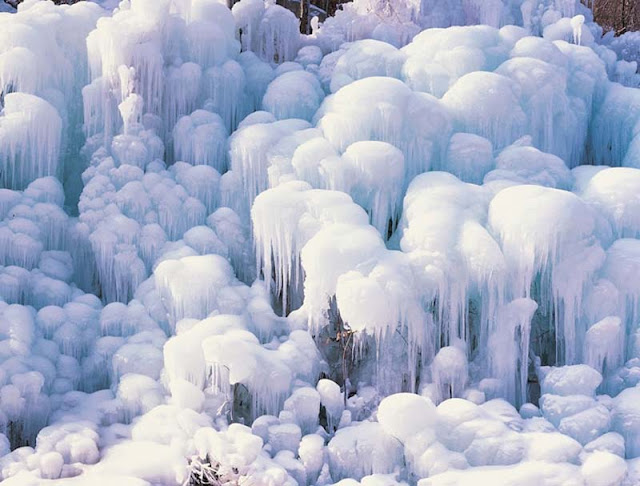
[[400, 250]]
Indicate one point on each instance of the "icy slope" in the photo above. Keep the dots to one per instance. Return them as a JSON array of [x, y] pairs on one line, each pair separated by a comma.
[[403, 249]]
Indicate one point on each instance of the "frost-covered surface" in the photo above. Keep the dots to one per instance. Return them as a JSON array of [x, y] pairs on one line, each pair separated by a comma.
[[402, 250]]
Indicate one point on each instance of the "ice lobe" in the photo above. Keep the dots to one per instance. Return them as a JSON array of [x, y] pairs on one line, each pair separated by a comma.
[[363, 449], [509, 348], [269, 30], [556, 246], [364, 59], [296, 94], [386, 110], [487, 104], [572, 380], [442, 213], [545, 97], [613, 192], [174, 280], [620, 267], [284, 220], [626, 419], [469, 157], [201, 138], [30, 140], [237, 358], [524, 164], [394, 409], [248, 148], [363, 270], [378, 173]]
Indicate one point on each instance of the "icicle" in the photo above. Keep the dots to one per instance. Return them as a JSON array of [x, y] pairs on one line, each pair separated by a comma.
[[612, 126], [454, 256], [509, 348], [131, 111], [248, 15], [483, 12], [577, 24], [553, 124]]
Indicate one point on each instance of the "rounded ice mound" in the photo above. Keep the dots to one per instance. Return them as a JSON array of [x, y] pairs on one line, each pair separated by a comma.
[[539, 48], [572, 380], [46, 190], [258, 75], [278, 34], [304, 403], [295, 94], [404, 414], [123, 460], [626, 420], [357, 244], [612, 127], [488, 105], [604, 345], [469, 157], [226, 91], [450, 371], [309, 55], [526, 473], [237, 357], [30, 138], [236, 447], [425, 77], [513, 207], [603, 468], [387, 110], [615, 192], [284, 219], [364, 59], [249, 149], [451, 53], [377, 179], [192, 286], [550, 234], [524, 164], [201, 138], [312, 455], [287, 67], [621, 267], [363, 449], [442, 229], [331, 398], [546, 98]]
